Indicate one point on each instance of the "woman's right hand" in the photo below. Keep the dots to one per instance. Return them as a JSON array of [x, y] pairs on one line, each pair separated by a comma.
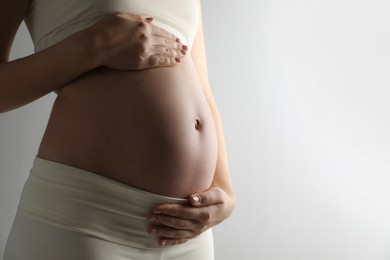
[[129, 42]]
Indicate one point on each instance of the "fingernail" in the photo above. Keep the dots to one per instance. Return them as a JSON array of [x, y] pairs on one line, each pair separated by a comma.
[[163, 243], [185, 47], [183, 52], [177, 60], [177, 40], [152, 231], [151, 218], [149, 19], [195, 199]]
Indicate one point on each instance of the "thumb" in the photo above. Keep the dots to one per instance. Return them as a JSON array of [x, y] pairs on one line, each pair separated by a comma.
[[206, 198]]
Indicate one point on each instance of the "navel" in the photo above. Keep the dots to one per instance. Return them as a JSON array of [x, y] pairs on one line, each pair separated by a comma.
[[198, 124]]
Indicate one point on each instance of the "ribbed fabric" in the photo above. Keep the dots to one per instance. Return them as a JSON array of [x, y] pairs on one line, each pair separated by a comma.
[[89, 203], [68, 213], [50, 21]]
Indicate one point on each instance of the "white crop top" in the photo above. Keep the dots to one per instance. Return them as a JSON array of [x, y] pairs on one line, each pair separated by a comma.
[[50, 21]]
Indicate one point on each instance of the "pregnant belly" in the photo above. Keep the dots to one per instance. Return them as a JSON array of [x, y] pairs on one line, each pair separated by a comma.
[[151, 129]]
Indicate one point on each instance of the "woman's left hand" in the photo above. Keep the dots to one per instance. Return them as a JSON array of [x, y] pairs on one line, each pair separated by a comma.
[[176, 223]]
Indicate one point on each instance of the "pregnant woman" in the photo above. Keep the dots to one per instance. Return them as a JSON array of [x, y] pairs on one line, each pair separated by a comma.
[[132, 164]]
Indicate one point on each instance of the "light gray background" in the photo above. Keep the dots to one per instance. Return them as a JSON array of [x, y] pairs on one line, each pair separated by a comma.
[[303, 90]]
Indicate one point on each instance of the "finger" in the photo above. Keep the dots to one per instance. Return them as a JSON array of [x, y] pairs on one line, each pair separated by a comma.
[[168, 52], [173, 222], [158, 31], [157, 40], [136, 17], [166, 47], [200, 216], [210, 197], [157, 60], [176, 210], [162, 41], [171, 242], [171, 233]]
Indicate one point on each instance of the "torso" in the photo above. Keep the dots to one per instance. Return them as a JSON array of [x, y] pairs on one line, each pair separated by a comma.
[[151, 129]]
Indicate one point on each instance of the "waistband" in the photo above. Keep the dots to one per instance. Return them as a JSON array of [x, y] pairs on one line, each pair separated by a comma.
[[86, 202]]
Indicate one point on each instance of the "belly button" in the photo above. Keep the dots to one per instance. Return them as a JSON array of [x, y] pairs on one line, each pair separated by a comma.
[[197, 124]]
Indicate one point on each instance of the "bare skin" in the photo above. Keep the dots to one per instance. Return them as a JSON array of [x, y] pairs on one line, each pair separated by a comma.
[[119, 122], [176, 224], [151, 129]]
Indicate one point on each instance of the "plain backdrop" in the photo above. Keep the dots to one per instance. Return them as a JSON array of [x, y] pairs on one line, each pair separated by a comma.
[[303, 90]]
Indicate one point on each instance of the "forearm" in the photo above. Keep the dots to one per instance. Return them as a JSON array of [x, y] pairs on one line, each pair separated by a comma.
[[222, 177], [27, 79]]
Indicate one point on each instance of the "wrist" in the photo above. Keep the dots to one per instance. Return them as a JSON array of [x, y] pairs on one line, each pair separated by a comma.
[[229, 196], [93, 45], [228, 199], [231, 203]]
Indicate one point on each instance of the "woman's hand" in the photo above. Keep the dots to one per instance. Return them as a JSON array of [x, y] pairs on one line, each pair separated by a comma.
[[175, 224], [130, 42]]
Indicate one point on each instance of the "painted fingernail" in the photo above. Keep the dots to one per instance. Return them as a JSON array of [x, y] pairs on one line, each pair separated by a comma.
[[177, 60], [151, 218], [149, 19], [185, 47], [183, 52], [177, 40], [153, 231]]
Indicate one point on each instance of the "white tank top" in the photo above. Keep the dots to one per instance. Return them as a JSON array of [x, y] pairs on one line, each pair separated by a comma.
[[50, 21]]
